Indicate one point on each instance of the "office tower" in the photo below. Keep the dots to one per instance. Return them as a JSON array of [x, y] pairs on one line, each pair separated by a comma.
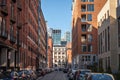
[[56, 35]]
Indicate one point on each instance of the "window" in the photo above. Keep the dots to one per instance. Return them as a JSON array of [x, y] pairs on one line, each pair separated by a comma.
[[12, 10], [83, 37], [83, 17], [89, 17], [89, 48], [83, 8], [90, 0], [89, 58], [90, 38], [2, 24], [55, 56], [90, 7], [82, 58], [108, 14], [89, 27], [55, 60], [83, 48], [83, 26], [55, 53], [93, 58], [84, 0], [58, 56]]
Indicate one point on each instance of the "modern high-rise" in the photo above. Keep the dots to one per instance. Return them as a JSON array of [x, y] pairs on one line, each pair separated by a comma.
[[67, 36], [84, 32], [56, 35]]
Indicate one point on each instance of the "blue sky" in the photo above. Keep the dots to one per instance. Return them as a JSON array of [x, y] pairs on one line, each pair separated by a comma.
[[58, 14]]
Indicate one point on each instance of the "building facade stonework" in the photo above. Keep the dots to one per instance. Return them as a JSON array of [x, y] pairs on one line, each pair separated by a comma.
[[19, 47], [108, 37], [59, 56]]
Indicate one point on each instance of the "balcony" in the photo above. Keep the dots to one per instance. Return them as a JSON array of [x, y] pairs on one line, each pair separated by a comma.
[[4, 10], [19, 6], [13, 19], [4, 34], [14, 1], [12, 39]]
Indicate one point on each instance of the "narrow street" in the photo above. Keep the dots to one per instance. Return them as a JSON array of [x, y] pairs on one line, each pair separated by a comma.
[[56, 75]]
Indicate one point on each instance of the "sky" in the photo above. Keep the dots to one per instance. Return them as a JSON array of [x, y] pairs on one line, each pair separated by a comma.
[[58, 14]]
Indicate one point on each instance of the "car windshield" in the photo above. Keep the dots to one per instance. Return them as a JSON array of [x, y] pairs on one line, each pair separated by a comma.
[[83, 72], [101, 77], [14, 73]]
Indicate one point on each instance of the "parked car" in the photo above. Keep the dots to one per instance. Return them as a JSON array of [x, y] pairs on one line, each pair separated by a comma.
[[39, 72], [24, 74], [33, 74], [65, 70], [84, 71], [4, 76], [9, 75], [14, 75], [72, 74], [99, 76]]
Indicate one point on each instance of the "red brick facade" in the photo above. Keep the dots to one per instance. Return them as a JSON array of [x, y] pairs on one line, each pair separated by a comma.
[[80, 39], [50, 52], [21, 19]]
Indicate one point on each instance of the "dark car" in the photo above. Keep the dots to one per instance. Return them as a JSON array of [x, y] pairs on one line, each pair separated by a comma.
[[99, 76], [4, 76], [9, 75], [65, 70], [14, 75], [24, 74], [39, 72]]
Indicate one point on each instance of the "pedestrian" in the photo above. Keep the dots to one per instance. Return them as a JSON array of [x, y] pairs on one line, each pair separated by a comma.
[[74, 76], [77, 75], [43, 73]]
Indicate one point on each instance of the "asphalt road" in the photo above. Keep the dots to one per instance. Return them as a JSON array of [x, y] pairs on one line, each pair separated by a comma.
[[56, 75]]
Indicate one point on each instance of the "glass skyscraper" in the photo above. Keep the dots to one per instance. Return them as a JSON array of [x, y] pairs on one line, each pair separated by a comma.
[[56, 35], [67, 36]]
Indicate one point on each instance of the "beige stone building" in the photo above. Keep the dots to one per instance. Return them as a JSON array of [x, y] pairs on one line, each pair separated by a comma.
[[108, 42]]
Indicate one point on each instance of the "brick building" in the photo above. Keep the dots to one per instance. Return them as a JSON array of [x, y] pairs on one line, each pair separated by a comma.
[[69, 54], [84, 31], [42, 30], [19, 34], [50, 52]]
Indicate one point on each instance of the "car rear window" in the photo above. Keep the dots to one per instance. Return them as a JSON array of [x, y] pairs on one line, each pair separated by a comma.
[[101, 77]]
